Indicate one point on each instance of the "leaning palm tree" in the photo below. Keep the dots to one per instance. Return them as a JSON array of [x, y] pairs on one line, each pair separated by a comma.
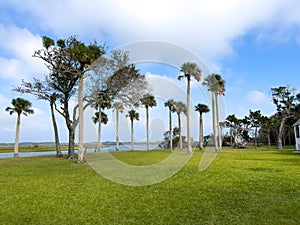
[[118, 108], [189, 70], [133, 115], [171, 106], [20, 106], [201, 108], [216, 85], [104, 119], [180, 107], [148, 100]]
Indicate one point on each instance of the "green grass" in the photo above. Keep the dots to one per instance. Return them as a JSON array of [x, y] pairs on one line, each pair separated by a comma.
[[240, 187]]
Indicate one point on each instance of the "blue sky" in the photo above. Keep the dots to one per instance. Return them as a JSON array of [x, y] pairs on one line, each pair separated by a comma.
[[254, 45]]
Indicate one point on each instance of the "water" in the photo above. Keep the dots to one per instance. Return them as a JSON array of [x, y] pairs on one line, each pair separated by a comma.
[[110, 148]]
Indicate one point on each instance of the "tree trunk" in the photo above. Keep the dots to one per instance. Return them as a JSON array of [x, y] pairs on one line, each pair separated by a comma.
[[200, 132], [280, 132], [218, 123], [80, 122], [214, 121], [117, 130], [56, 136], [255, 137], [71, 144], [269, 141], [99, 130], [170, 128], [132, 136], [231, 136], [190, 151], [16, 147], [179, 127], [147, 127]]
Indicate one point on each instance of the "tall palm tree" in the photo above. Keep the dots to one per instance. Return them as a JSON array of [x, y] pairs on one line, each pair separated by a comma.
[[189, 70], [179, 108], [133, 115], [171, 106], [148, 101], [99, 116], [118, 108], [201, 108], [216, 85], [20, 106]]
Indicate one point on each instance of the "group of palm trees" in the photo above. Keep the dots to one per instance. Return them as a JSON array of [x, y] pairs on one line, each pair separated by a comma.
[[214, 83]]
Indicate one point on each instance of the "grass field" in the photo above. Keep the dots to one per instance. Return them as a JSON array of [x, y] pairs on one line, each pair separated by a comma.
[[240, 187]]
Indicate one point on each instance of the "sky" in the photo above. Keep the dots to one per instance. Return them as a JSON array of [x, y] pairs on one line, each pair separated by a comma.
[[253, 44]]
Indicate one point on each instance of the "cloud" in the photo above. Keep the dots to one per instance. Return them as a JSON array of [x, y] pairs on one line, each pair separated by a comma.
[[257, 97]]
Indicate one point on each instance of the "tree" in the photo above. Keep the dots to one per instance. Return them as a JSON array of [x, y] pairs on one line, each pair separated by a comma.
[[189, 70], [286, 103], [255, 118], [99, 116], [68, 60], [133, 115], [216, 85], [148, 100], [171, 106], [201, 108], [41, 90], [103, 102], [19, 106], [118, 108], [179, 108]]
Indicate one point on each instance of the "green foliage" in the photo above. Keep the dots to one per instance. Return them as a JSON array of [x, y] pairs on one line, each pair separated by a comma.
[[239, 187], [20, 106]]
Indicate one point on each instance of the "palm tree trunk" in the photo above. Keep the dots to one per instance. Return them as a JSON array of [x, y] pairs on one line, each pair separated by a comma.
[[190, 151], [16, 147], [132, 136], [280, 133], [171, 133], [80, 122], [269, 141], [255, 137], [56, 136], [214, 121], [218, 123], [147, 127], [200, 132], [180, 136], [99, 130], [117, 130]]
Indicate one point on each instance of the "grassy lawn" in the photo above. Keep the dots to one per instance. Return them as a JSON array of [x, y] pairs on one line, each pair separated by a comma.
[[240, 187]]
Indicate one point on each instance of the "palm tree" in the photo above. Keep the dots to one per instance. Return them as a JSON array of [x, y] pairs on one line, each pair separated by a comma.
[[216, 85], [148, 101], [201, 108], [20, 106], [179, 108], [189, 70], [133, 115], [99, 116], [171, 106], [118, 108], [102, 102]]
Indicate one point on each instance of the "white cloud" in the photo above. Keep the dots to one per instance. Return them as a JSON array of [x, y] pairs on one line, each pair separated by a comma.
[[257, 97]]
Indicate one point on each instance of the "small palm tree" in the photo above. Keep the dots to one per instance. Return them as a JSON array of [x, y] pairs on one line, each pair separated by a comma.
[[189, 70], [179, 108], [148, 101], [201, 108], [102, 101], [20, 106], [133, 115], [104, 119], [118, 108], [171, 106]]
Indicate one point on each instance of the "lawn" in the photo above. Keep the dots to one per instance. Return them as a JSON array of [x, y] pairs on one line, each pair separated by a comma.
[[240, 187]]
